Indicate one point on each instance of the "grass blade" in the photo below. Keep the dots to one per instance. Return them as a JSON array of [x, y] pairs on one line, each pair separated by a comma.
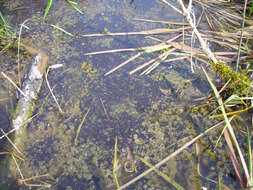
[[3, 20], [222, 132], [49, 4], [163, 175], [251, 9], [230, 129], [116, 161], [219, 183], [80, 125], [73, 4], [62, 30], [249, 156]]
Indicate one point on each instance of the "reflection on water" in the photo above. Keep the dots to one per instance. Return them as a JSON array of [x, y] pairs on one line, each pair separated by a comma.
[[148, 114]]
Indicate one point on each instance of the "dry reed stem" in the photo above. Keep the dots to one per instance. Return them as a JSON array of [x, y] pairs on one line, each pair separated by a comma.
[[174, 8], [51, 91], [201, 16], [124, 63], [13, 83], [154, 38], [136, 49], [203, 43], [139, 54], [233, 157], [152, 61], [35, 177], [168, 157], [114, 51], [103, 105], [15, 161], [14, 129], [159, 57], [9, 132], [161, 21], [175, 59], [227, 18], [210, 23], [240, 44], [10, 141], [157, 61], [147, 32], [4, 99]]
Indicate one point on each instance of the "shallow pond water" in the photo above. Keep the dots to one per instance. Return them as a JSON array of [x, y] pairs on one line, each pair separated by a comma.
[[150, 115]]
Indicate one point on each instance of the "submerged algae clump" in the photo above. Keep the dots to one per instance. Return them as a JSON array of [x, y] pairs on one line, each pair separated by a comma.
[[88, 69], [62, 159], [240, 82]]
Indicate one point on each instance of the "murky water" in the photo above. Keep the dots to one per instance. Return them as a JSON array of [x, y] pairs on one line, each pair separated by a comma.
[[148, 114]]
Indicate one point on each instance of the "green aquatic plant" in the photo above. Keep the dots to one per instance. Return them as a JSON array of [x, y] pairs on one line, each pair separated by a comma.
[[251, 9], [239, 81], [88, 69], [49, 4], [249, 157], [231, 134], [74, 5], [3, 21], [71, 3], [7, 34]]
